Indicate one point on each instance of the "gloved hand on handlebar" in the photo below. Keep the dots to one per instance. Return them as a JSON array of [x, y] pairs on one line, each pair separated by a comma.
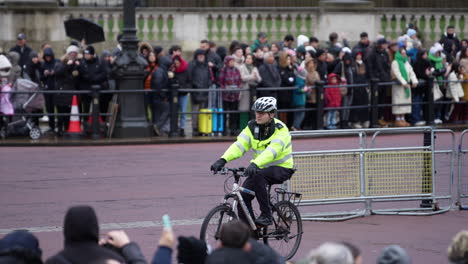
[[218, 165], [251, 170]]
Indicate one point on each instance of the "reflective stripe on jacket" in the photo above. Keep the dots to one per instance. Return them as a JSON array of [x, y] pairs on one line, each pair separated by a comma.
[[274, 151]]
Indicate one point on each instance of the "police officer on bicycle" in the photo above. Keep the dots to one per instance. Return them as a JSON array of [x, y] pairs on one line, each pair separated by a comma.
[[270, 141]]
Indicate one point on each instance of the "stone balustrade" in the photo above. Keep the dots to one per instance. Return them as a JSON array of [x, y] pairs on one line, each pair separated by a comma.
[[188, 26]]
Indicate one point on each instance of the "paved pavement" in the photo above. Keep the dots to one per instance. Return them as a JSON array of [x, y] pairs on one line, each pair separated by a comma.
[[131, 187]]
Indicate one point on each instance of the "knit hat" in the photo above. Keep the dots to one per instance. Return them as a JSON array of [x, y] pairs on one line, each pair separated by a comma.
[[436, 48], [382, 41], [90, 50], [291, 52], [411, 32], [20, 239], [301, 39], [346, 50], [300, 72], [393, 254], [301, 50], [157, 50], [33, 54], [72, 48]]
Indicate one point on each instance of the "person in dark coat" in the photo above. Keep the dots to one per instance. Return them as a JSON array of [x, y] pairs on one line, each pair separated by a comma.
[[270, 75], [33, 69], [422, 69], [362, 46], [47, 73], [20, 247], [33, 72], [214, 61], [359, 117], [91, 73], [81, 233], [108, 84], [450, 43], [183, 78], [159, 82], [67, 78], [23, 50], [202, 78], [378, 66], [322, 65], [288, 79]]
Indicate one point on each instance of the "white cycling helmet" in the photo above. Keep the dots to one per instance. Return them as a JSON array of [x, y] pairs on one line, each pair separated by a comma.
[[264, 104]]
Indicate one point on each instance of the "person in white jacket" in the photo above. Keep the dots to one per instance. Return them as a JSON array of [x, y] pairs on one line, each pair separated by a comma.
[[455, 91], [401, 93]]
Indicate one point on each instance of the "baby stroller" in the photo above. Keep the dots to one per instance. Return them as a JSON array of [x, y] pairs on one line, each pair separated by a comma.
[[23, 103]]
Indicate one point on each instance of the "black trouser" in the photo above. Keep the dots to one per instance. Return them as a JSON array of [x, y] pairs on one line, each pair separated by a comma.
[[50, 108], [85, 103], [233, 117], [258, 183], [63, 121]]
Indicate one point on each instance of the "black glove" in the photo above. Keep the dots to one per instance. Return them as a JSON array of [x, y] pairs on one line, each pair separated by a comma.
[[191, 250], [218, 165], [251, 170]]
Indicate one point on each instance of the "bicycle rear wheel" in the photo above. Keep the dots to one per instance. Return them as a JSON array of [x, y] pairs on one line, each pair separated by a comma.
[[285, 234], [213, 221]]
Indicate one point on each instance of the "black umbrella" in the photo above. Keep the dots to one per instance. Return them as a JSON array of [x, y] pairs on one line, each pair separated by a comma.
[[81, 28]]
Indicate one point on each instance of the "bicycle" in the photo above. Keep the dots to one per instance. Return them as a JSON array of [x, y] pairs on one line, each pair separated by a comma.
[[284, 235]]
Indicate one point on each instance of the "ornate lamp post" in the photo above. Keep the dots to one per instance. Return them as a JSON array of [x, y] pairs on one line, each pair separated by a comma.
[[128, 70]]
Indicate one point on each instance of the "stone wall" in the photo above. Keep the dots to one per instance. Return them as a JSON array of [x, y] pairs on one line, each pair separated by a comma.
[[166, 26]]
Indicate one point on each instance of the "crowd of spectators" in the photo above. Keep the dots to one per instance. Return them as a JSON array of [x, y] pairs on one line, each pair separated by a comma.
[[83, 244], [403, 67]]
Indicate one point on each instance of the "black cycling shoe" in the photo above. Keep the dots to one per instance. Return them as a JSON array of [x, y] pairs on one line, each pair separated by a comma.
[[264, 220]]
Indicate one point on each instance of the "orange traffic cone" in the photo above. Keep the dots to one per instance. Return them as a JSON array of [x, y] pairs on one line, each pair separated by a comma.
[[74, 128]]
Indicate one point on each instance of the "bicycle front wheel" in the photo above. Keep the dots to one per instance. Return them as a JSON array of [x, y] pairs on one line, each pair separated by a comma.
[[213, 221], [285, 234]]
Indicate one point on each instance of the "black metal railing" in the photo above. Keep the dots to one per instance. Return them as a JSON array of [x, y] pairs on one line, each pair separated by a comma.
[[319, 109]]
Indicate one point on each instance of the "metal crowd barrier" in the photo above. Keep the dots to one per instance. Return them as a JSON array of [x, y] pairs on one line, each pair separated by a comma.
[[462, 173], [377, 174]]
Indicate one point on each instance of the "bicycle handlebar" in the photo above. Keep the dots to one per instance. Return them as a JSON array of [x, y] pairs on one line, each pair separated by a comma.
[[236, 171]]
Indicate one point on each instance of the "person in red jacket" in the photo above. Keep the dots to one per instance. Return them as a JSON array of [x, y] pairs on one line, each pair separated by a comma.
[[332, 99]]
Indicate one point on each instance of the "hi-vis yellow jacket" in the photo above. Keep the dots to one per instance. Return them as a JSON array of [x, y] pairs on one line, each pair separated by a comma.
[[273, 151]]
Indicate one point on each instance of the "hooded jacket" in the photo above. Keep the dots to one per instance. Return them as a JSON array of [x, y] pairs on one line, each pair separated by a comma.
[[160, 79], [81, 232], [229, 77], [49, 80], [200, 76], [333, 94]]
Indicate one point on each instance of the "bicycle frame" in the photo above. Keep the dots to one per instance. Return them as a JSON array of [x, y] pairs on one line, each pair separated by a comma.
[[236, 195]]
